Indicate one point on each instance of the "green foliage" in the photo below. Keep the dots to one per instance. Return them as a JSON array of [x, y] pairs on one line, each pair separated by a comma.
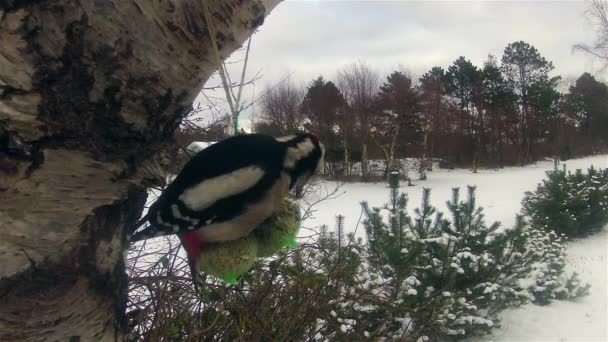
[[398, 105], [587, 103], [463, 81], [452, 277], [571, 203], [322, 105]]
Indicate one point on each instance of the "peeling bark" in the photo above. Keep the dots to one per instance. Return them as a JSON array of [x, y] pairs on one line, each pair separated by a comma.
[[90, 93]]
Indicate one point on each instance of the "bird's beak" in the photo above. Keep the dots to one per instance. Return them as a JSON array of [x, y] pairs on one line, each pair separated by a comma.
[[300, 185], [299, 191]]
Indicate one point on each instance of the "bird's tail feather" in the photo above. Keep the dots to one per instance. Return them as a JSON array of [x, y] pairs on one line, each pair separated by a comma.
[[148, 232], [140, 223]]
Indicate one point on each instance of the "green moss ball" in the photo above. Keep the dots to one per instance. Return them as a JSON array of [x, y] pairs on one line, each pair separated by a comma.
[[228, 260], [279, 231]]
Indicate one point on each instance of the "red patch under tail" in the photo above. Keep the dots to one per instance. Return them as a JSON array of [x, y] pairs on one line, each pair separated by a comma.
[[192, 245]]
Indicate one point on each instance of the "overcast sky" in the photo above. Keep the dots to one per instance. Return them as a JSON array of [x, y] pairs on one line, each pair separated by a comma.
[[317, 37], [310, 38]]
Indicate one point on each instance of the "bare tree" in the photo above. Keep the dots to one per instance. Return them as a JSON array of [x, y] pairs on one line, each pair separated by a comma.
[[359, 83], [90, 95], [598, 17], [281, 107], [387, 145]]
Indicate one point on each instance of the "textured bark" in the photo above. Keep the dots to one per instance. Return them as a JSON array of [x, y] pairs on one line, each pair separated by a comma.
[[90, 94], [346, 159], [364, 161]]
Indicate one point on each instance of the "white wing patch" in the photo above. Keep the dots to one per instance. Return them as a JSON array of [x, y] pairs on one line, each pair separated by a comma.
[[254, 215], [284, 139], [178, 215], [296, 153], [209, 191]]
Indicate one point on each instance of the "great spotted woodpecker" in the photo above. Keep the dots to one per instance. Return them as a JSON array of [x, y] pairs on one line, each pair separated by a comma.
[[229, 188]]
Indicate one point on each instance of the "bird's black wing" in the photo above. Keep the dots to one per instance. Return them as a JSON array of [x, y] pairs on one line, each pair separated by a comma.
[[196, 197]]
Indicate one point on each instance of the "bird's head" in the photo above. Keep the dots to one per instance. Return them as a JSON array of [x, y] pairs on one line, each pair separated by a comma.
[[303, 159]]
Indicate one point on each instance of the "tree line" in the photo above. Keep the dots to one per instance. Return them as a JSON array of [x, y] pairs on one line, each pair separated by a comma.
[[507, 112]]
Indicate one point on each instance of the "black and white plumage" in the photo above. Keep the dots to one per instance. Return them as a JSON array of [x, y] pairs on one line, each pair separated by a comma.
[[229, 188]]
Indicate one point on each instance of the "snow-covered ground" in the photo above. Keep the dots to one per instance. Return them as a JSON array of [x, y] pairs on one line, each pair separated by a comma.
[[584, 319], [500, 192]]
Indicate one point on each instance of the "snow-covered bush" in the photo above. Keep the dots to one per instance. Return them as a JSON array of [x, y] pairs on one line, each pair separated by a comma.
[[547, 279], [571, 203], [452, 277]]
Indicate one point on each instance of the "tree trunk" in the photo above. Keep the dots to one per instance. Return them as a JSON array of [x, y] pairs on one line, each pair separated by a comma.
[[346, 159], [364, 161], [389, 152], [90, 94], [431, 154], [423, 167]]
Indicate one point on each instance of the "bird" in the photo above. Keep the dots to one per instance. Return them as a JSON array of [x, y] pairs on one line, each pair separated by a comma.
[[227, 189]]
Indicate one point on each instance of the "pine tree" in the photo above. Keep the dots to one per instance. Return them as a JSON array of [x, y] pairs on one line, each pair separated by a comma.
[[587, 100], [454, 275], [464, 83], [571, 203], [322, 106], [436, 116], [527, 71], [499, 103]]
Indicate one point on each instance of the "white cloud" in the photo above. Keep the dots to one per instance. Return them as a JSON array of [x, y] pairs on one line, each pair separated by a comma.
[[316, 37], [311, 38]]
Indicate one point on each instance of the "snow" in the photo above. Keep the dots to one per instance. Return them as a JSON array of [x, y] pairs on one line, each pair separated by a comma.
[[584, 319], [500, 192], [197, 146], [412, 281]]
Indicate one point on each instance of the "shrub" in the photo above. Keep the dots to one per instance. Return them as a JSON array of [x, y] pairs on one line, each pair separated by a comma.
[[299, 294], [454, 277], [571, 203], [425, 275]]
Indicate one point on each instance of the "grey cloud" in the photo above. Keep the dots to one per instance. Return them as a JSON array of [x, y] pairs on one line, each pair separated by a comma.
[[311, 38]]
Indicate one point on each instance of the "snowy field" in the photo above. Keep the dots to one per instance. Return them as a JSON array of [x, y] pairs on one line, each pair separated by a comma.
[[500, 192]]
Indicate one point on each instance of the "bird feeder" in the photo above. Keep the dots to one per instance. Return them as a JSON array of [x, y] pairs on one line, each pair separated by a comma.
[[228, 260], [393, 179]]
